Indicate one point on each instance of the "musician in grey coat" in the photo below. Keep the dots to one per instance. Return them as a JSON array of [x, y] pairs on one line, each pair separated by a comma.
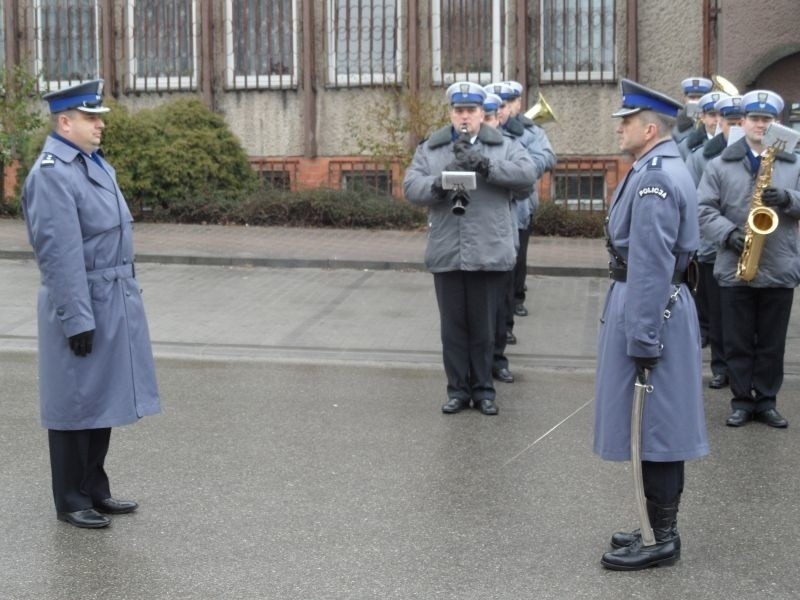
[[95, 359], [469, 254], [652, 233], [755, 314]]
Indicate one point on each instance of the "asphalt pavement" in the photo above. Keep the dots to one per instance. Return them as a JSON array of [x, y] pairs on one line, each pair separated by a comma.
[[301, 452]]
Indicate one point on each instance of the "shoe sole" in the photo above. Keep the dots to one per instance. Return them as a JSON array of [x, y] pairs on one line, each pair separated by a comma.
[[116, 512], [81, 525], [665, 562]]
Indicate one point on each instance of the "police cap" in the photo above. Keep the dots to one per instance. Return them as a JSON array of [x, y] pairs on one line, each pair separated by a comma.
[[466, 93], [730, 106], [492, 103], [709, 101], [762, 102], [696, 86], [86, 97], [502, 89], [636, 98]]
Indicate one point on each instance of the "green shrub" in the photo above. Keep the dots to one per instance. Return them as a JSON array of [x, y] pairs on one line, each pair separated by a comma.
[[309, 208], [552, 219], [175, 151]]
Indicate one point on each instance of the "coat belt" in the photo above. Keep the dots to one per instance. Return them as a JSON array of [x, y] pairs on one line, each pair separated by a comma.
[[111, 273], [621, 274]]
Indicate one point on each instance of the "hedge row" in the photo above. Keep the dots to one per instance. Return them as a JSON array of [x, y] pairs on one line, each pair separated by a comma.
[[180, 162]]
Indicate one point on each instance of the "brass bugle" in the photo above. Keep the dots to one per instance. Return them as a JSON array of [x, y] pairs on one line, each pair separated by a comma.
[[541, 112], [723, 85]]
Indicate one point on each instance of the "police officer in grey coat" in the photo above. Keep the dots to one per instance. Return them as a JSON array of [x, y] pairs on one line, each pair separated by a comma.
[[95, 359], [693, 89], [534, 139], [707, 296], [755, 314], [652, 234], [469, 254]]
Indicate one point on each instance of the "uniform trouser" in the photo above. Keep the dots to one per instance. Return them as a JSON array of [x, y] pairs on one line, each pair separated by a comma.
[[709, 284], [76, 463], [663, 481], [521, 266], [505, 310], [468, 304], [755, 322], [701, 302]]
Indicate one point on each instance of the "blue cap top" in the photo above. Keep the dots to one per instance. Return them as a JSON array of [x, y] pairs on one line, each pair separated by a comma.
[[730, 106], [466, 93], [86, 97], [516, 88], [636, 98], [502, 89], [696, 86], [762, 102], [492, 103], [708, 102]]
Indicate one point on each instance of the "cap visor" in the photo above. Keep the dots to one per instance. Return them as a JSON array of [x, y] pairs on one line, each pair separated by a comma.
[[96, 110], [461, 104], [624, 112]]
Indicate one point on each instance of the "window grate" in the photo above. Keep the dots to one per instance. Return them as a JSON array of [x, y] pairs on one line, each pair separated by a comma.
[[577, 40], [67, 41], [261, 40], [469, 40], [162, 44], [364, 42]]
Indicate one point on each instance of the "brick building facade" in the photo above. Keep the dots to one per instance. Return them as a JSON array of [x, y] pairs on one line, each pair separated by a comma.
[[297, 79]]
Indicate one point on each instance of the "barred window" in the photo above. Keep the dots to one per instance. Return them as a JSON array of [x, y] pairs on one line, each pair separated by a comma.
[[379, 181], [162, 42], [580, 183], [577, 38], [469, 40], [67, 41], [363, 42], [261, 43]]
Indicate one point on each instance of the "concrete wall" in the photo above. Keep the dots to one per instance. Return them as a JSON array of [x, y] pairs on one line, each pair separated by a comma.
[[670, 43], [752, 36]]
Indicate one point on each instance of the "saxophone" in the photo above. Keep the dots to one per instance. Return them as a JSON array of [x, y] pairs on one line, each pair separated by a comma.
[[761, 221]]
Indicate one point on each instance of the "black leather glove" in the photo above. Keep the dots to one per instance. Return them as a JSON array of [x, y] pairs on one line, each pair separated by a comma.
[[81, 343], [437, 189], [776, 197], [644, 362], [461, 146], [475, 161], [735, 240], [453, 166]]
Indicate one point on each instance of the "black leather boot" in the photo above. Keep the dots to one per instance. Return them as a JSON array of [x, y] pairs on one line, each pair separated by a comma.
[[635, 555]]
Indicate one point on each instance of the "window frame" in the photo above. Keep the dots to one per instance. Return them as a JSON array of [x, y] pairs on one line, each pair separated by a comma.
[[577, 76], [159, 83], [258, 81], [361, 78], [38, 61], [500, 48]]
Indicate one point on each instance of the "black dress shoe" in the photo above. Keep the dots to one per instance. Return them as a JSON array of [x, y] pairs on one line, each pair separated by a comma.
[[510, 338], [738, 418], [503, 375], [520, 310], [772, 418], [88, 518], [718, 382], [455, 405], [116, 507], [488, 407]]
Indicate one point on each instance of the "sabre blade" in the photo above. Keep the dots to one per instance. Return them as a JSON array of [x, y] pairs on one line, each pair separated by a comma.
[[640, 388]]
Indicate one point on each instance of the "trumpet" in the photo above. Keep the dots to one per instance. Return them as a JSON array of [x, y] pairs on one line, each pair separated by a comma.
[[541, 112]]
